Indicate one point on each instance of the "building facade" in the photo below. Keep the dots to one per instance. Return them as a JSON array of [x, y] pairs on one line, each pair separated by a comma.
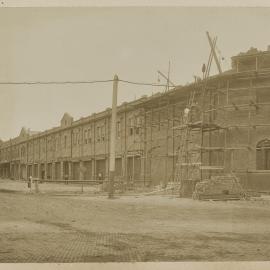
[[229, 119]]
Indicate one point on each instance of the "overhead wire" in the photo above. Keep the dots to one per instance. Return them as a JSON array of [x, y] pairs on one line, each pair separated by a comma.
[[142, 83], [78, 82], [55, 82]]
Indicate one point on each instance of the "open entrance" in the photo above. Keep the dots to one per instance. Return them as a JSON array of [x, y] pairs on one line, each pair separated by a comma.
[[100, 169], [118, 167], [76, 170], [134, 168], [6, 170], [66, 170], [42, 171], [16, 172], [49, 171], [35, 171], [12, 171], [57, 169], [29, 170], [23, 172], [88, 170]]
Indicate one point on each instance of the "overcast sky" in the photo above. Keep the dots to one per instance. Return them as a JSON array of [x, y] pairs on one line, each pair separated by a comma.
[[59, 44]]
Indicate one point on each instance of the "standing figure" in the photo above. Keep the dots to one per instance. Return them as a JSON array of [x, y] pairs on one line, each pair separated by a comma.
[[29, 184], [186, 115]]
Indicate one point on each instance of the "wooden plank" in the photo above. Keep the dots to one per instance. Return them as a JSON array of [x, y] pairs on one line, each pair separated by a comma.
[[211, 168]]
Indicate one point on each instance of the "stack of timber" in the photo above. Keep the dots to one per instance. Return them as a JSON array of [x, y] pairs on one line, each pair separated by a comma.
[[219, 188], [171, 188]]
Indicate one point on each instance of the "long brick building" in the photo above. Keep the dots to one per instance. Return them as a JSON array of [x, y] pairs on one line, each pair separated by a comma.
[[230, 131]]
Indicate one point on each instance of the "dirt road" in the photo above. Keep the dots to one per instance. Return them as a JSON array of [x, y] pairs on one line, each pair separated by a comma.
[[84, 228]]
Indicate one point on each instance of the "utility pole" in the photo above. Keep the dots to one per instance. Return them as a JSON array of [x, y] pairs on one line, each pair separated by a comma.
[[113, 138], [169, 82]]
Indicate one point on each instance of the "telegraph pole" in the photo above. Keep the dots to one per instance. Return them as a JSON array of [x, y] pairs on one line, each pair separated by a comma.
[[113, 138]]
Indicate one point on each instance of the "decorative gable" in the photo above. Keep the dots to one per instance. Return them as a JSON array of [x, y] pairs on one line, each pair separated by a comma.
[[23, 132], [66, 120]]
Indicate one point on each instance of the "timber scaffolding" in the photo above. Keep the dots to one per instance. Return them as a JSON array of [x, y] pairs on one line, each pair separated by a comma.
[[217, 102], [211, 107]]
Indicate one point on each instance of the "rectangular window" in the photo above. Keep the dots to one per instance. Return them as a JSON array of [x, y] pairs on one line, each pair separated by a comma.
[[118, 129], [65, 141], [85, 136], [103, 133], [89, 136], [78, 137], [59, 141], [44, 145], [98, 134], [47, 143], [74, 138], [138, 125], [52, 143], [131, 126]]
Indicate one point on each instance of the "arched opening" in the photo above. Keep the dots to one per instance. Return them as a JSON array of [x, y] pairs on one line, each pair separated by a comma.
[[263, 155]]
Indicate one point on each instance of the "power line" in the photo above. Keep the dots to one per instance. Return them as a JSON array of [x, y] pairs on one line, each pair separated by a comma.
[[55, 82], [77, 82], [142, 83]]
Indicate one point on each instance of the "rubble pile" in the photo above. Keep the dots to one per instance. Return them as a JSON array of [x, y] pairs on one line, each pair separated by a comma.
[[225, 187]]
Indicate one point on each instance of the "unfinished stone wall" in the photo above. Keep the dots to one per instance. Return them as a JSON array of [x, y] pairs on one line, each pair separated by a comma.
[[243, 111]]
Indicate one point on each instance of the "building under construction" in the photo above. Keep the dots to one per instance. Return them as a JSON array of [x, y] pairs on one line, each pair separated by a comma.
[[216, 125]]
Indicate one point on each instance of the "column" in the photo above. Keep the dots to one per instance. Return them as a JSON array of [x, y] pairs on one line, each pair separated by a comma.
[[10, 170], [27, 171], [53, 171], [133, 168], [61, 170], [19, 171], [81, 171], [16, 171], [106, 176], [123, 172], [45, 170], [39, 170], [142, 176], [93, 164], [70, 170]]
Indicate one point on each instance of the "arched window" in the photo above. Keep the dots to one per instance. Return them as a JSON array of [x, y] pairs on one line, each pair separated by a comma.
[[263, 155]]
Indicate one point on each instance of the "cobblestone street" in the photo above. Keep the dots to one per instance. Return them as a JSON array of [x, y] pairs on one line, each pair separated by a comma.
[[86, 228]]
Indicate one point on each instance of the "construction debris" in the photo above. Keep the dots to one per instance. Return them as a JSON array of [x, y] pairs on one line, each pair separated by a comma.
[[170, 189], [225, 187]]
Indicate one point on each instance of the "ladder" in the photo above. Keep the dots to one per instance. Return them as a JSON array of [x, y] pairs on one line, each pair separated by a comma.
[[184, 164]]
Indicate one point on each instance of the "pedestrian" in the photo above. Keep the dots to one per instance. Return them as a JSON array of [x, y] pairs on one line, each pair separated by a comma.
[[186, 115], [100, 177], [30, 183]]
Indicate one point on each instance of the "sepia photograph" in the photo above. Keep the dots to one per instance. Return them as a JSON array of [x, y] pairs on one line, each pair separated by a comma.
[[134, 134]]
